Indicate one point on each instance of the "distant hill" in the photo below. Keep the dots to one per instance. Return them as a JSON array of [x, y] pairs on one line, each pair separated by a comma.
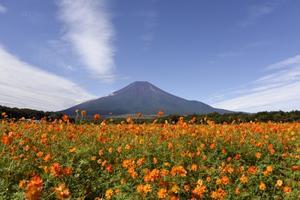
[[145, 98]]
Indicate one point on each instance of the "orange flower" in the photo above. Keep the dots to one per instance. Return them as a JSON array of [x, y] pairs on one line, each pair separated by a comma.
[[225, 180], [194, 167], [97, 117], [47, 158], [67, 171], [178, 170], [72, 150], [262, 186], [109, 193], [212, 146], [65, 118], [6, 139], [144, 189], [258, 155], [34, 188], [244, 179], [175, 189], [252, 170], [62, 192], [162, 193], [269, 169], [56, 169], [160, 113], [218, 194], [199, 191], [39, 154], [287, 189], [22, 184], [152, 176]]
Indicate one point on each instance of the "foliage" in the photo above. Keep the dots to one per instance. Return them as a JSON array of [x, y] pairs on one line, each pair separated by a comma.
[[18, 113]]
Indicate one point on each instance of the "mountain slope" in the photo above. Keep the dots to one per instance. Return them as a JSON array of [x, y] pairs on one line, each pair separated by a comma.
[[145, 98]]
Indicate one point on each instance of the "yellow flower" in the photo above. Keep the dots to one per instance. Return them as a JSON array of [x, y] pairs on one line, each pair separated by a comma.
[[72, 150], [175, 189], [144, 189], [218, 181], [147, 188], [269, 169], [109, 193], [244, 179], [279, 183]]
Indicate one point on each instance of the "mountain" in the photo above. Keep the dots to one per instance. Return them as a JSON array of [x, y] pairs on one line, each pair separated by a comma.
[[145, 98]]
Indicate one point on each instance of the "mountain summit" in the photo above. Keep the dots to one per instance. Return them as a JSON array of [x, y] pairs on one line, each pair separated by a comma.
[[143, 97]]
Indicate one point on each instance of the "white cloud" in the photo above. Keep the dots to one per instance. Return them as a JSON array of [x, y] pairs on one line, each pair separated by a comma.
[[26, 86], [89, 30], [286, 63], [277, 90], [258, 11], [3, 9], [150, 24]]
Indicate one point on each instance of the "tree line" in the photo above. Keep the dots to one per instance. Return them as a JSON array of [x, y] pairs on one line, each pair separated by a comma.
[[238, 117]]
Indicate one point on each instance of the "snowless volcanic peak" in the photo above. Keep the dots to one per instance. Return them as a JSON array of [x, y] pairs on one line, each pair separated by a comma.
[[143, 97]]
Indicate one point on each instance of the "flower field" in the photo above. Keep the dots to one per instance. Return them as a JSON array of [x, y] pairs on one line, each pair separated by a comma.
[[60, 160]]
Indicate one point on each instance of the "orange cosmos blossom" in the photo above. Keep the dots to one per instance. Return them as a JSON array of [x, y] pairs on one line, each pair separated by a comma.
[[162, 193], [62, 192], [34, 188], [97, 117], [252, 170], [194, 167], [258, 155], [178, 170], [6, 139], [144, 189], [200, 189], [262, 186], [244, 179], [109, 193], [65, 118], [225, 180], [56, 169], [160, 113], [287, 189], [152, 176], [218, 194]]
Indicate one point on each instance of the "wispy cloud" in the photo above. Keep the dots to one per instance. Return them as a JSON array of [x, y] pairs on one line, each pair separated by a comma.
[[256, 12], [88, 28], [24, 85], [229, 54], [150, 24], [279, 89], [241, 50], [3, 9], [290, 62]]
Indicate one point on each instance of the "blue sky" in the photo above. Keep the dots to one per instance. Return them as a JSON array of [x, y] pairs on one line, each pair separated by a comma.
[[238, 55]]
